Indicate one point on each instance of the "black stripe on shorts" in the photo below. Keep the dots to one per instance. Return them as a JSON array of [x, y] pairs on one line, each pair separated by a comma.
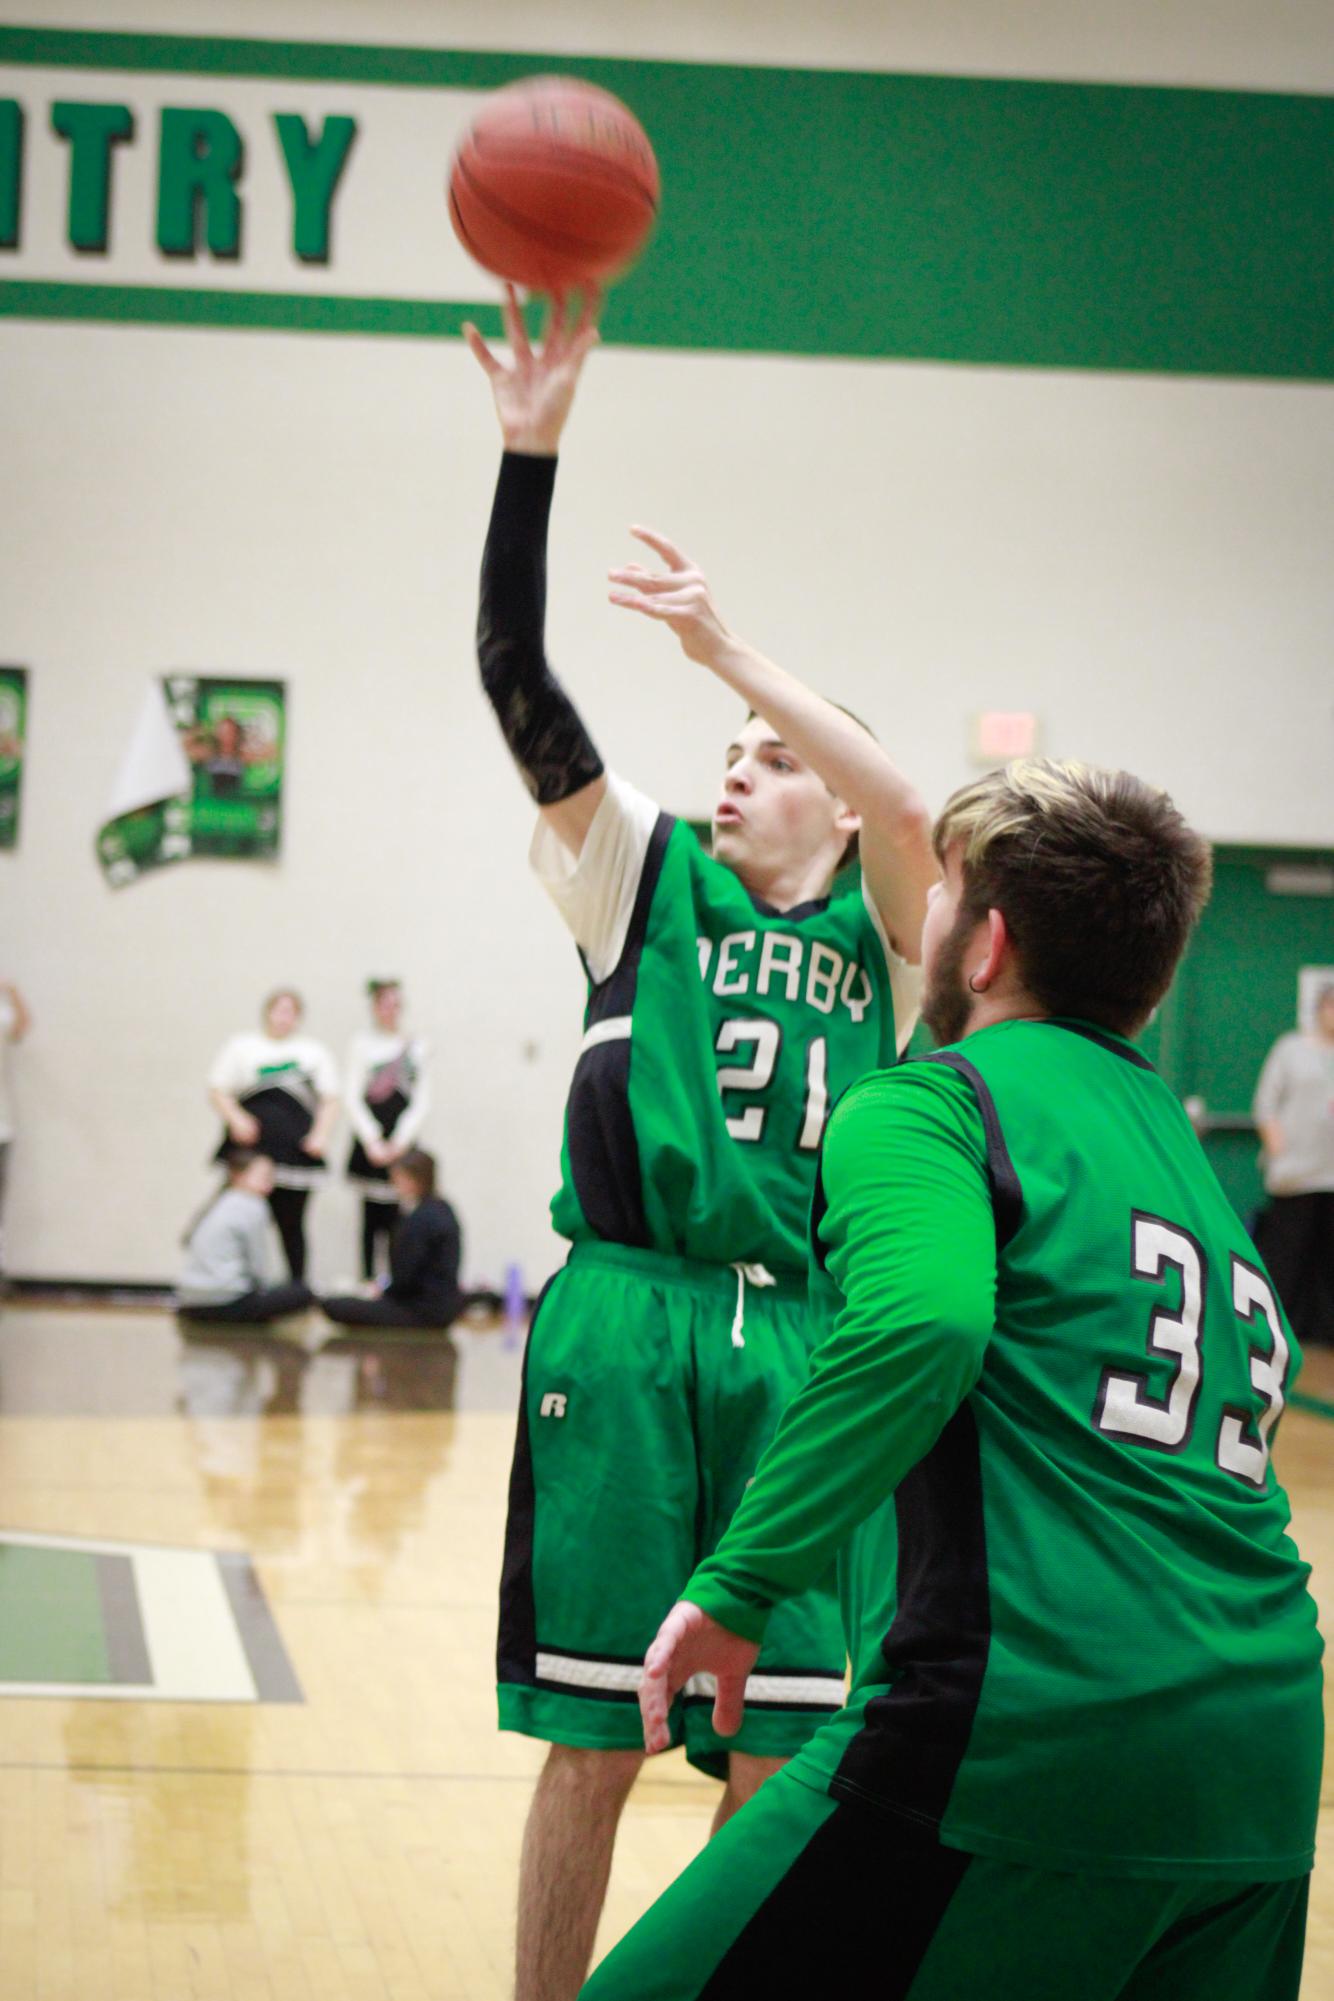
[[860, 1905]]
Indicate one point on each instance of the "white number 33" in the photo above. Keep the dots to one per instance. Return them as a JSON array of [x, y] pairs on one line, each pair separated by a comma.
[[1125, 1406]]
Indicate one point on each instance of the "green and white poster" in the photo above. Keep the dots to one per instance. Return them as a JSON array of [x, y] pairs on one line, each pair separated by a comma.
[[13, 730], [202, 775]]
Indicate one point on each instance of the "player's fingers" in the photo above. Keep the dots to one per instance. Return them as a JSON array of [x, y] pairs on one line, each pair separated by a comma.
[[515, 330], [675, 558], [640, 579], [653, 1715], [590, 311], [582, 342], [669, 603], [556, 322], [657, 1735], [729, 1704], [631, 601], [479, 347], [655, 1696]]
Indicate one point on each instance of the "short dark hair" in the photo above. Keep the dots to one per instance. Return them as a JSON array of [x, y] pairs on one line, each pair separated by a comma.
[[1097, 875], [419, 1166], [236, 1159], [377, 987]]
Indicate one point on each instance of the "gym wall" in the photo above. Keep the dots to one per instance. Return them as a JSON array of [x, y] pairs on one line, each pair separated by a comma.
[[983, 359]]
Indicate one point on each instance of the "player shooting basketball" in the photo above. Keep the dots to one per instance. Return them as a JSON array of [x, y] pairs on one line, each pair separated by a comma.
[[731, 999]]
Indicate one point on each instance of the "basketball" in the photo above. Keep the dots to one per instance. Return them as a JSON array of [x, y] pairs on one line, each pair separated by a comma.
[[554, 185]]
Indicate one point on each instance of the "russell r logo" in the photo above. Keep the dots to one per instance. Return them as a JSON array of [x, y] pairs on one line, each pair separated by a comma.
[[553, 1404]]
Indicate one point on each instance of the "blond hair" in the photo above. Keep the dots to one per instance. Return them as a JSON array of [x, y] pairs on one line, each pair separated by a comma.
[[1097, 875]]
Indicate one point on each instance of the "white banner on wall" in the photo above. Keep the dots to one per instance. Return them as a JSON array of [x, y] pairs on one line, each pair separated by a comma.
[[376, 193]]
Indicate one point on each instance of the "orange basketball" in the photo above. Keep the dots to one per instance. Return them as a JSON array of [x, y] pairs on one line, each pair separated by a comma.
[[554, 185]]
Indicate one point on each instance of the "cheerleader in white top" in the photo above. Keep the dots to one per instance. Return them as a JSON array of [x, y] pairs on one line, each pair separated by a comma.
[[388, 1097], [278, 1092]]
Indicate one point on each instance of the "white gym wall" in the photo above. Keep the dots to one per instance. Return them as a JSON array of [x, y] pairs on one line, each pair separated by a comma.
[[1142, 560]]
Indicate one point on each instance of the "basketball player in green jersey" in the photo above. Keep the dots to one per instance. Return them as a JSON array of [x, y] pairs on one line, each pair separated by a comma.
[[1084, 1760], [730, 999]]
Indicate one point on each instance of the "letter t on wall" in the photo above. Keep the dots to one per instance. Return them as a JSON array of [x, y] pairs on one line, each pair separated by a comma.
[[92, 130], [11, 171]]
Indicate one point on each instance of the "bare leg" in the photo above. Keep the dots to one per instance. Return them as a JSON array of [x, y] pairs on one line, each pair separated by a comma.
[[566, 1861], [745, 1776]]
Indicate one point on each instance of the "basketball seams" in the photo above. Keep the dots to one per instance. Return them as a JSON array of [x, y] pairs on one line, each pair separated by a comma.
[[554, 185], [528, 157], [538, 234]]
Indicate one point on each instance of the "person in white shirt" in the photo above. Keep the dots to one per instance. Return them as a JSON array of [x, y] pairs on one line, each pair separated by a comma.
[[278, 1091], [15, 1022], [388, 1098], [1294, 1111], [226, 1273]]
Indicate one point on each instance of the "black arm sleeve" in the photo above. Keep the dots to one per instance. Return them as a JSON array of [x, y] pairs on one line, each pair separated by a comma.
[[547, 740]]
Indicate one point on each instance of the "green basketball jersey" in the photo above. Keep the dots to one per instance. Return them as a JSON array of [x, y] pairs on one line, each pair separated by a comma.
[[711, 1054], [1096, 1649]]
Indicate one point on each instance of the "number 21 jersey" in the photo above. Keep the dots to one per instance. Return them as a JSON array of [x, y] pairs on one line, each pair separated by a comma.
[[717, 1033]]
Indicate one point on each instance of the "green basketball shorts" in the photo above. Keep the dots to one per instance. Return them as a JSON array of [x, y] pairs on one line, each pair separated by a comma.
[[800, 1894], [644, 1412]]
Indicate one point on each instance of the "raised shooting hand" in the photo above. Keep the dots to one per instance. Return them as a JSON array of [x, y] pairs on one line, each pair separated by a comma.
[[534, 392]]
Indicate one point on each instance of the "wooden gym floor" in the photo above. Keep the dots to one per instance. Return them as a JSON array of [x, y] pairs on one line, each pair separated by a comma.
[[312, 1803]]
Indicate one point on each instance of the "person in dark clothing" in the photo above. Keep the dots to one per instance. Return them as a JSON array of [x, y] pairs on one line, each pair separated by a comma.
[[423, 1285]]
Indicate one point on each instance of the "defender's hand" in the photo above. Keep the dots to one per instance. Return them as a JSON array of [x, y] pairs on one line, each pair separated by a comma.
[[690, 1642], [681, 599], [533, 395]]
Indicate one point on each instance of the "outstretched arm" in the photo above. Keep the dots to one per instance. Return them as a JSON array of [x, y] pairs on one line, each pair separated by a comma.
[[896, 854], [909, 1239], [556, 756]]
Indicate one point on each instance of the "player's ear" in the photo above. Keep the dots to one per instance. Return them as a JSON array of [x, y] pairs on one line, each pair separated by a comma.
[[999, 952]]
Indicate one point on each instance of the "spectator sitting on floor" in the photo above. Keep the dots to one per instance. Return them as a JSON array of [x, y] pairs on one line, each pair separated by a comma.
[[226, 1275], [422, 1289]]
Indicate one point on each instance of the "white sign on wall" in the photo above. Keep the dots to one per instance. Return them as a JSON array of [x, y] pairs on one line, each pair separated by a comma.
[[235, 183]]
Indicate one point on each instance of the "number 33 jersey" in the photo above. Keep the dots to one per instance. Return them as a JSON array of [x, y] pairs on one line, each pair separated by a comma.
[[717, 1034], [1097, 1650]]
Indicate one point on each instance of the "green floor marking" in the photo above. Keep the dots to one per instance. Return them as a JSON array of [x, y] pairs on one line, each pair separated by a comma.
[[51, 1627]]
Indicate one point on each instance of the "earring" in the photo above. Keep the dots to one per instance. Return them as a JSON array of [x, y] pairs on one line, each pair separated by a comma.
[[973, 987]]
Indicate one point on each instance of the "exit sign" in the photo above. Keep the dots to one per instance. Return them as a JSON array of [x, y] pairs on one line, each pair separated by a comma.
[[1001, 734]]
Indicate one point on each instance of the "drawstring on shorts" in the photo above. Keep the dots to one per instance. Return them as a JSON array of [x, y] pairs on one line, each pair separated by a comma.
[[757, 1275]]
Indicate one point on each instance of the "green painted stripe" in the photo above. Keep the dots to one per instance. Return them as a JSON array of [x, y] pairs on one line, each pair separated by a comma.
[[306, 62], [1318, 1406], [51, 1626], [966, 219], [283, 312]]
